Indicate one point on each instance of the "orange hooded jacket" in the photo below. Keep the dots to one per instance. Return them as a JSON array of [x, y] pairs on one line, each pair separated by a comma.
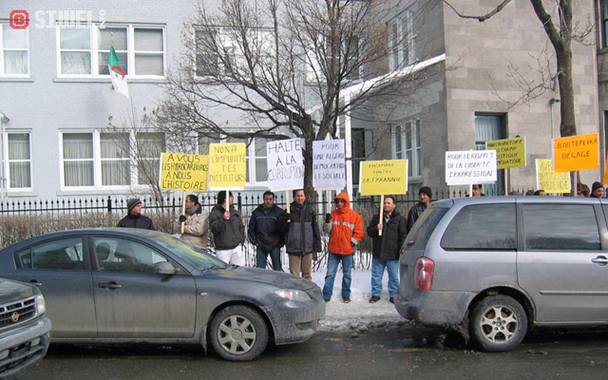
[[345, 229]]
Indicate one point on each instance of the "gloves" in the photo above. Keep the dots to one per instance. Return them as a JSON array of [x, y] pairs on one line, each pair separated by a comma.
[[288, 218], [327, 218], [182, 218]]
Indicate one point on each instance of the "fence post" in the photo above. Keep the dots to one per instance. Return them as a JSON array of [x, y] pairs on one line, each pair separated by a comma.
[[109, 204], [239, 202]]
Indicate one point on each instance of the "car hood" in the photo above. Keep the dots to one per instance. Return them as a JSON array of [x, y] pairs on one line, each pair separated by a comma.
[[13, 290], [279, 279]]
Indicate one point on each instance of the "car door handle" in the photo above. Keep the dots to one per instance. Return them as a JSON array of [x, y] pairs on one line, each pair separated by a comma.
[[110, 285], [35, 282], [600, 260]]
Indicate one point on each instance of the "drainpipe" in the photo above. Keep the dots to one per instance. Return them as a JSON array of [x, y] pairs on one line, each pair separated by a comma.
[[552, 102], [4, 119]]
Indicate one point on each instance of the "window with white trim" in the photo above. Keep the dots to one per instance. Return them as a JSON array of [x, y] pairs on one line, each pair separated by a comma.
[[18, 161], [98, 160], [14, 52], [406, 144], [402, 41], [84, 51]]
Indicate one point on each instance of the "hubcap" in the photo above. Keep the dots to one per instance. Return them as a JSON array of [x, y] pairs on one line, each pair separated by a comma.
[[499, 324], [236, 334]]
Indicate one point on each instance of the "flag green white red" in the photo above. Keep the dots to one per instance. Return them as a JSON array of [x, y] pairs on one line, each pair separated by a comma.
[[119, 80]]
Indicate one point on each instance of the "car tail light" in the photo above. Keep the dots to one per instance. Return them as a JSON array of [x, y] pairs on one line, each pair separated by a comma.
[[424, 273]]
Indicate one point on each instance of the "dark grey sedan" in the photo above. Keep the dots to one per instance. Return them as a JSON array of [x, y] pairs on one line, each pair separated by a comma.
[[128, 285]]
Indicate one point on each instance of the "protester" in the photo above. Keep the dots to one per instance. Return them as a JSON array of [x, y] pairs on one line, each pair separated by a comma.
[[196, 230], [478, 191], [542, 193], [345, 229], [582, 190], [426, 195], [228, 230], [386, 248], [264, 232], [597, 190], [302, 236], [134, 218]]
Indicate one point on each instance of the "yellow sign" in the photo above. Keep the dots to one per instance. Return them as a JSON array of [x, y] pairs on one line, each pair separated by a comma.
[[549, 180], [510, 153], [227, 166], [576, 153], [186, 172], [383, 177]]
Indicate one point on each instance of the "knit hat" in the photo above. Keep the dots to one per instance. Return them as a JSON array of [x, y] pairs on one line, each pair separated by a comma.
[[426, 190], [132, 203], [596, 185]]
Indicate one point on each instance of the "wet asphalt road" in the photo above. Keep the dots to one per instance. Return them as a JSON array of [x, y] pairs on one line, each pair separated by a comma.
[[404, 353]]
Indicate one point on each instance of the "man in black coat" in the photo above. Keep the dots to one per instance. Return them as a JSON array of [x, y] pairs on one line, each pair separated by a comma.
[[426, 194], [265, 232], [386, 248], [228, 230], [134, 218]]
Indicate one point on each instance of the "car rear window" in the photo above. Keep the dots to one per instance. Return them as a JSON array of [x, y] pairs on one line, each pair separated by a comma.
[[421, 232], [482, 227]]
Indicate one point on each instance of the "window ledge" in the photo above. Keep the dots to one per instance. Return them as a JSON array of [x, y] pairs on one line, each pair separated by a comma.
[[20, 194], [108, 81], [16, 79], [101, 192]]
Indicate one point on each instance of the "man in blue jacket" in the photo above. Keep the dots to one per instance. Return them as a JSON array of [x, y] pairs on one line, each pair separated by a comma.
[[265, 234]]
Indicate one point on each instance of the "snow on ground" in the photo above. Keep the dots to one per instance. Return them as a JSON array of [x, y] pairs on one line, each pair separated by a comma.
[[358, 315]]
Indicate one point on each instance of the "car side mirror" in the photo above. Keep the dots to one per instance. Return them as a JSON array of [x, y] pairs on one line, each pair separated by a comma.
[[164, 267]]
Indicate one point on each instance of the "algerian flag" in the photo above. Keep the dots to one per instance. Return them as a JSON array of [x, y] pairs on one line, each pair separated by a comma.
[[119, 81]]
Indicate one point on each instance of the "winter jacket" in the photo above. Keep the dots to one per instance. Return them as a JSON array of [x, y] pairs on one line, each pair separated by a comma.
[[136, 221], [388, 246], [265, 227], [302, 233], [414, 214], [227, 234], [345, 229], [196, 230]]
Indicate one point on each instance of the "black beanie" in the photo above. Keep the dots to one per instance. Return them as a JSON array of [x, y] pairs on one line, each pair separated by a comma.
[[596, 185], [132, 203], [426, 190]]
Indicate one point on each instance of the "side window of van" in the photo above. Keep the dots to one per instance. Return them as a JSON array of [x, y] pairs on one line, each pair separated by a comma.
[[561, 227], [482, 227]]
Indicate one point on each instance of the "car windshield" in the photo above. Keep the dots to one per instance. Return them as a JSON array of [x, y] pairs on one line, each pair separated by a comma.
[[192, 255]]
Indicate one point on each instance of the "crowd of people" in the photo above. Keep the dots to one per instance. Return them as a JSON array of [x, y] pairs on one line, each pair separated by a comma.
[[297, 229]]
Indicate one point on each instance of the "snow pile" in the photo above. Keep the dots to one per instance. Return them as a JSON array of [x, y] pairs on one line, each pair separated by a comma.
[[359, 314]]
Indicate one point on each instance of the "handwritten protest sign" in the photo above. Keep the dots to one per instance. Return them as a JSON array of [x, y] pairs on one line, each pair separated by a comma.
[[383, 177], [227, 166], [285, 165], [510, 153], [549, 180], [576, 153], [186, 172], [469, 167], [328, 165]]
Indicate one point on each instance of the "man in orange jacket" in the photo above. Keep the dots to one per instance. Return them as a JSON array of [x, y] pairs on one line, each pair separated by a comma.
[[345, 229]]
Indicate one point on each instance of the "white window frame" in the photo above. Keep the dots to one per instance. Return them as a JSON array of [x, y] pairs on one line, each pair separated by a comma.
[[97, 160], [94, 51], [6, 162], [405, 41], [399, 134], [2, 49]]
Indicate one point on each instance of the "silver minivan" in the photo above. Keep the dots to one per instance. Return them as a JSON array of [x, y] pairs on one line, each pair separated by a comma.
[[500, 265]]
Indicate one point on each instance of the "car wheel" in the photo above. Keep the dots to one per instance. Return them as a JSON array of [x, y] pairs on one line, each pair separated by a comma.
[[498, 323], [239, 333]]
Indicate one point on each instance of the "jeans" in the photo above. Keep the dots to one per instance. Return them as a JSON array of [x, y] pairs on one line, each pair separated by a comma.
[[275, 257], [392, 267], [332, 268]]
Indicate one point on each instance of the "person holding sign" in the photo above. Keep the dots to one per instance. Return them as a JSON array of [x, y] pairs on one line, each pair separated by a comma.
[[228, 230], [426, 194], [597, 190], [196, 229], [345, 229], [302, 236], [264, 232], [386, 248]]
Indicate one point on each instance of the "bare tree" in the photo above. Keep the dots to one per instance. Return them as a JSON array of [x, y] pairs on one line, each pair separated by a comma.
[[284, 64]]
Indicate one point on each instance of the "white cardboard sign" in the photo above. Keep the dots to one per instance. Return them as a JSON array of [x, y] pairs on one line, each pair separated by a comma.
[[328, 165], [285, 165], [468, 167]]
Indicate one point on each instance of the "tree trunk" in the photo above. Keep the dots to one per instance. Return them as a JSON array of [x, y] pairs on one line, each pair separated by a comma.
[[566, 90]]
